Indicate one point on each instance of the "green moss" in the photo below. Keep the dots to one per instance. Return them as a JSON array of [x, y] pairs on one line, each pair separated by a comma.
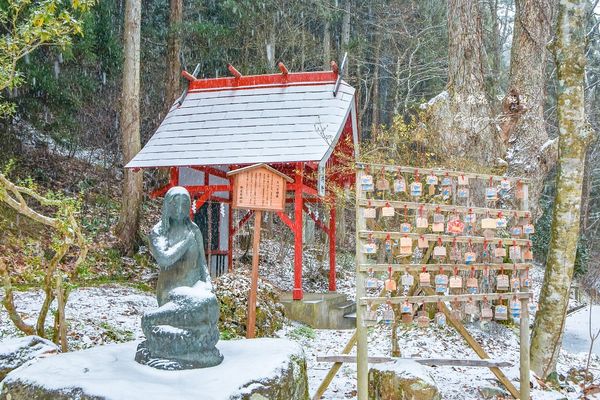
[[115, 334], [303, 331]]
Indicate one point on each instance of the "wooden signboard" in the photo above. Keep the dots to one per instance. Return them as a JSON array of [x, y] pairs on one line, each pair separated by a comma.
[[260, 188]]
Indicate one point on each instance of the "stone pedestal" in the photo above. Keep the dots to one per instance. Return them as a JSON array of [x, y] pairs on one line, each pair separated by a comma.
[[274, 369]]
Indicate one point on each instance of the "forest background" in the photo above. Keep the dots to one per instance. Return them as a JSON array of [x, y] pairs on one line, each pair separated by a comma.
[[415, 65]]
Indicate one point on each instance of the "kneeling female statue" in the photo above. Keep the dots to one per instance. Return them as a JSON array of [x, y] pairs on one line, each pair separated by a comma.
[[182, 332]]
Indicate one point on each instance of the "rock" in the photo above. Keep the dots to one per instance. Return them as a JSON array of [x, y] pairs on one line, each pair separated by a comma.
[[257, 369], [16, 352], [492, 392], [232, 292], [401, 380]]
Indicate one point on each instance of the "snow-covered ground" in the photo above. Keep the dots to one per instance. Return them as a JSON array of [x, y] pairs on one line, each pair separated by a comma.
[[111, 313], [96, 315], [577, 330]]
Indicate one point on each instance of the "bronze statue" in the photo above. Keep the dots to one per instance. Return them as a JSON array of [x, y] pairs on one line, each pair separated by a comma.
[[182, 332], [177, 246]]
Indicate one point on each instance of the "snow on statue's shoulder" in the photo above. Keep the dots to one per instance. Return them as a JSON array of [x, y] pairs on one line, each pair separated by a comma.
[[201, 291]]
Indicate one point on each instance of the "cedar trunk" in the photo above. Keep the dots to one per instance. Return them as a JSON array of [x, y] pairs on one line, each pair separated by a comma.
[[574, 137], [327, 44], [375, 99], [472, 127], [462, 116], [173, 82], [529, 152], [129, 218]]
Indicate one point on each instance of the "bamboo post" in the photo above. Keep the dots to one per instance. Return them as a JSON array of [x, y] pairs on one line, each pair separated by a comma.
[[250, 330], [362, 354], [524, 348]]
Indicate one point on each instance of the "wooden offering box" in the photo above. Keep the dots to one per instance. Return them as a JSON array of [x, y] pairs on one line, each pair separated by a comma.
[[259, 187]]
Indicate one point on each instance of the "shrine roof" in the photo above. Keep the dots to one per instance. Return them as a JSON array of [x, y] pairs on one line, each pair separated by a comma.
[[242, 120]]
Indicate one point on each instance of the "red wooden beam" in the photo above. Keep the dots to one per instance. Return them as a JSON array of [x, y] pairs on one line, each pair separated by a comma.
[[286, 220], [305, 189], [160, 191], [253, 81], [231, 232], [297, 292], [208, 188], [217, 252], [174, 176], [334, 67], [306, 200], [202, 199], [331, 233], [234, 71], [188, 76], [243, 221], [211, 170], [282, 68], [318, 222]]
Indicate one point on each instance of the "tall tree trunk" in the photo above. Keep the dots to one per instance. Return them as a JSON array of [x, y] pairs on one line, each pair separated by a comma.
[[375, 100], [462, 118], [327, 44], [523, 125], [574, 137], [346, 26], [173, 81], [129, 218], [472, 125], [494, 77]]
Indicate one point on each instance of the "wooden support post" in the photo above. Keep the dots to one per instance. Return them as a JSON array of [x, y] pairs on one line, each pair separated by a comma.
[[474, 345], [348, 348], [524, 348], [250, 329], [230, 236], [362, 353], [208, 223], [298, 221], [174, 176], [331, 233], [334, 370], [432, 362]]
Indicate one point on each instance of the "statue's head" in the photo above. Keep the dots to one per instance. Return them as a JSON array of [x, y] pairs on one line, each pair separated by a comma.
[[176, 207]]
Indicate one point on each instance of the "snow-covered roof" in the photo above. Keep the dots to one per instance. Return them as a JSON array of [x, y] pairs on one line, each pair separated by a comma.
[[255, 123]]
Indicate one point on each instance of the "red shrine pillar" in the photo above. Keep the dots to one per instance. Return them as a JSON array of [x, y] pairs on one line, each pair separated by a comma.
[[332, 287], [298, 203]]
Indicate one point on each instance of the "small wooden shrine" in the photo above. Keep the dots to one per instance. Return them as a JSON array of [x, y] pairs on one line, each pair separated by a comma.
[[303, 125]]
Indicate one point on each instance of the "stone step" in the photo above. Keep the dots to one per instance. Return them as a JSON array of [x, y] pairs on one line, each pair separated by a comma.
[[351, 316], [320, 310], [348, 305]]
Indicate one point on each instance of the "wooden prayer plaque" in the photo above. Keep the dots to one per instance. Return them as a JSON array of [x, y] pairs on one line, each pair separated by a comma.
[[259, 187]]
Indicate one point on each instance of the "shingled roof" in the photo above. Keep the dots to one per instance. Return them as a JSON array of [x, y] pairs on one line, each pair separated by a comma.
[[251, 120]]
